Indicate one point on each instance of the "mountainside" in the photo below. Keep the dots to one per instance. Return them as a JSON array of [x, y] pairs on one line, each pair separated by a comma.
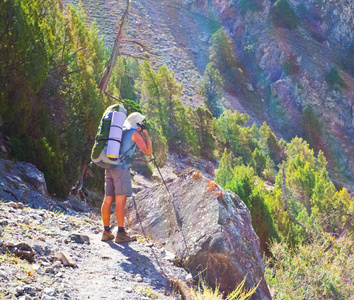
[[298, 77], [291, 68]]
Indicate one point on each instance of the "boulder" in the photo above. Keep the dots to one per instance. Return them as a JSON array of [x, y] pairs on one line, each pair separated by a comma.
[[22, 183], [208, 228]]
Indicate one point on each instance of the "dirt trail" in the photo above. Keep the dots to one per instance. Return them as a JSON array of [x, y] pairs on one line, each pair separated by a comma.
[[123, 271], [98, 270]]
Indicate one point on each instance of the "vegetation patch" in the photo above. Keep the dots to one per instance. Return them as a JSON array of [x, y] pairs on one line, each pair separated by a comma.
[[249, 5], [320, 269], [334, 80], [283, 15]]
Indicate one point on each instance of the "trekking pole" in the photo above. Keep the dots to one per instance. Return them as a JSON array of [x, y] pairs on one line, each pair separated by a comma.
[[179, 223]]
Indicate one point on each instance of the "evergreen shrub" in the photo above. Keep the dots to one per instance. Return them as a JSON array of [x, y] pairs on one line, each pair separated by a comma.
[[39, 153], [283, 15], [334, 80], [322, 269]]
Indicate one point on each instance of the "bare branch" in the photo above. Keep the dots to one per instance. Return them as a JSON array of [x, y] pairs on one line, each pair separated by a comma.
[[115, 98], [131, 76], [137, 57], [142, 46], [75, 71]]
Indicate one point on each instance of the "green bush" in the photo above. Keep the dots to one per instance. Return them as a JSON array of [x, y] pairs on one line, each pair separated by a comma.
[[312, 271], [290, 67], [39, 153], [143, 169], [334, 80], [242, 183], [283, 15], [312, 126]]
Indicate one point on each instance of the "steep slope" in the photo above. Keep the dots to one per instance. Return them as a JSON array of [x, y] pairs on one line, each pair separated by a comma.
[[289, 69], [285, 70]]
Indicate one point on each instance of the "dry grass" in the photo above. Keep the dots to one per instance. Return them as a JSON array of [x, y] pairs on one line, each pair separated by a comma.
[[206, 293]]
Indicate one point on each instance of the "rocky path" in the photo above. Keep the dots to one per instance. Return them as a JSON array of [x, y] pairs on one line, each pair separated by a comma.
[[46, 255]]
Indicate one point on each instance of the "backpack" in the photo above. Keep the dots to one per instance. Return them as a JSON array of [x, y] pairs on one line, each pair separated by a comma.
[[106, 149]]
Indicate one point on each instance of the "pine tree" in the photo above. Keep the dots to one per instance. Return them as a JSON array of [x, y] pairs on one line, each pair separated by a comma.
[[225, 169], [211, 89], [223, 58], [203, 124]]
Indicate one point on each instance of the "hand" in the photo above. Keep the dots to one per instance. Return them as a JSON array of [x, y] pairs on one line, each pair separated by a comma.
[[142, 126]]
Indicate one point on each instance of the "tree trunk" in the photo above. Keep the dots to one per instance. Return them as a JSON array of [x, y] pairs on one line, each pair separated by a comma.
[[78, 190], [115, 52]]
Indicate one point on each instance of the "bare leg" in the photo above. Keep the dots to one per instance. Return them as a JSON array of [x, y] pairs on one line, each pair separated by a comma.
[[120, 205], [106, 210]]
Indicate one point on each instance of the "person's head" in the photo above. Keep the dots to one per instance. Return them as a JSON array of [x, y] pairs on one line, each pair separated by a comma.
[[133, 120]]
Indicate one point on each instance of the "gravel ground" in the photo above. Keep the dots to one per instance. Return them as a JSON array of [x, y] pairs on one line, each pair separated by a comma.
[[49, 255]]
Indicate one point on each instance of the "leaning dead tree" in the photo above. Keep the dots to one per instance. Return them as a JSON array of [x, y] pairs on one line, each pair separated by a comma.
[[115, 52], [78, 190]]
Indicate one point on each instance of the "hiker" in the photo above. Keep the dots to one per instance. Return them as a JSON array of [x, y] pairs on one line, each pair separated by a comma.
[[117, 180]]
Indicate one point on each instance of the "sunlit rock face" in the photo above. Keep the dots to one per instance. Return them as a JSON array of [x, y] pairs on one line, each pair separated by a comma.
[[207, 227], [291, 69]]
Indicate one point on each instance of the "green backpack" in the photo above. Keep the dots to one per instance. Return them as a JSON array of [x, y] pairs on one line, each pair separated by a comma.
[[98, 154]]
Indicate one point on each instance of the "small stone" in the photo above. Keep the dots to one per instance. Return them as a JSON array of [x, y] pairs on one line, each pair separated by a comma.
[[4, 222], [59, 275], [38, 248], [138, 278], [49, 270], [169, 256], [3, 276], [3, 149], [128, 289], [57, 264], [189, 277], [49, 291], [26, 297], [19, 290], [16, 205], [37, 268], [67, 227], [65, 259], [29, 289]]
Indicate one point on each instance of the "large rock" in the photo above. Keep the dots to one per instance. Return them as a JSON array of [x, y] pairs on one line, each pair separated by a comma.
[[213, 224], [18, 177]]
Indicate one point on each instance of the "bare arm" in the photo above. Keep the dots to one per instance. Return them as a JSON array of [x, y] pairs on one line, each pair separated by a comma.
[[143, 144]]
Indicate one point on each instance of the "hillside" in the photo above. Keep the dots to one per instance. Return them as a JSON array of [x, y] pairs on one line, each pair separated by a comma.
[[248, 106], [285, 69]]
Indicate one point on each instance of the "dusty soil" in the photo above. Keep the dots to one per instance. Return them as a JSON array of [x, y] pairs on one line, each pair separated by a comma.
[[98, 270]]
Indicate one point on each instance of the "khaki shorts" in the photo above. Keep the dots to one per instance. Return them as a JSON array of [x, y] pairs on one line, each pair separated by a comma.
[[118, 183]]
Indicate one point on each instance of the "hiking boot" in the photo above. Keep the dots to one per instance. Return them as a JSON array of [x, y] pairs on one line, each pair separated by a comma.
[[107, 235], [123, 237]]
